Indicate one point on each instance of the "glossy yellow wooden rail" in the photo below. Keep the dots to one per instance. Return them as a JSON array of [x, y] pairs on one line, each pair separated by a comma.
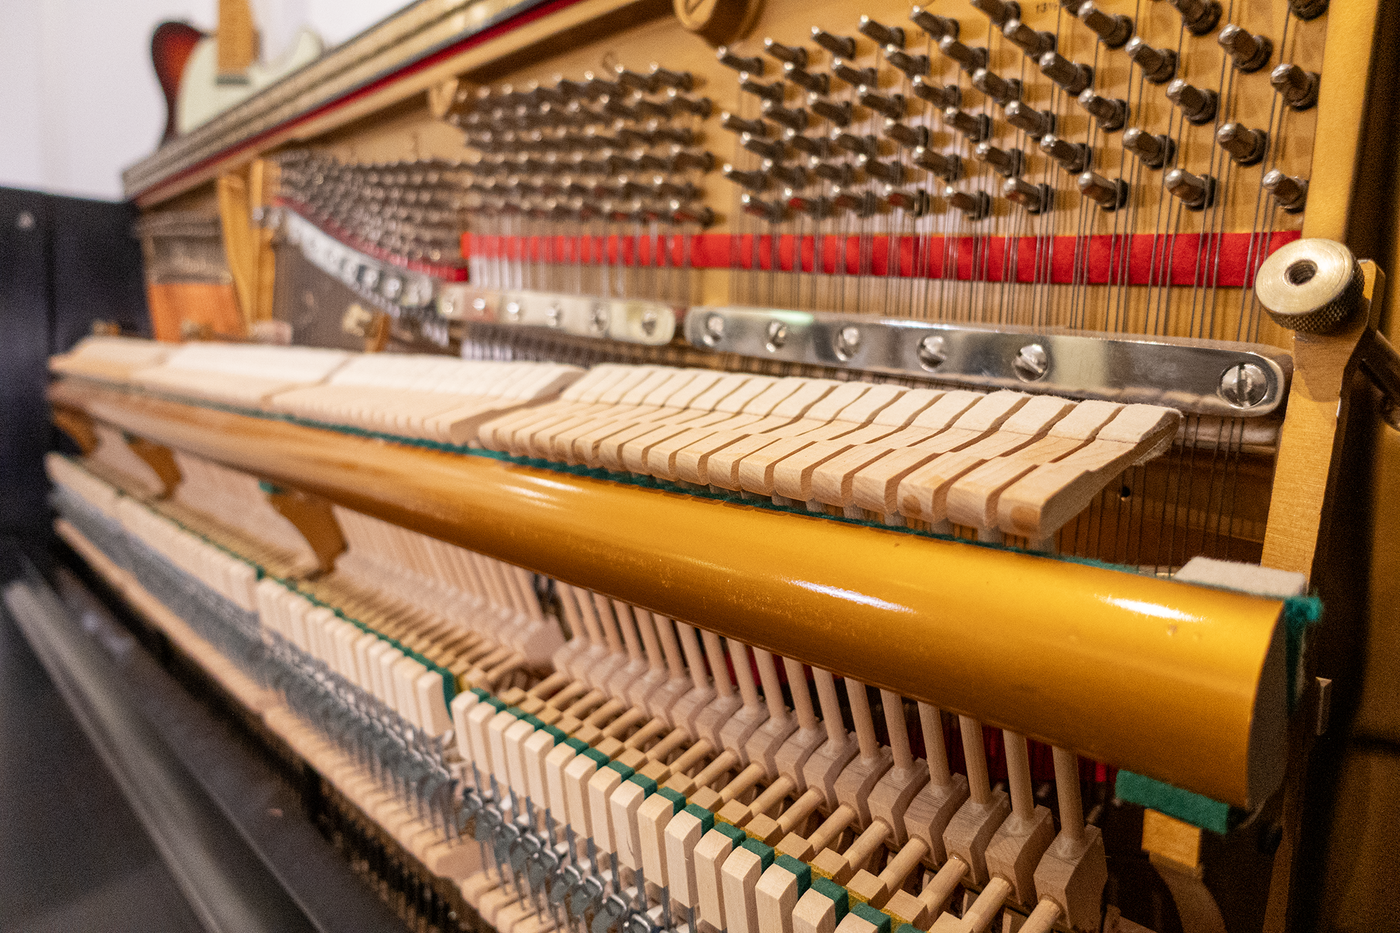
[[1181, 683]]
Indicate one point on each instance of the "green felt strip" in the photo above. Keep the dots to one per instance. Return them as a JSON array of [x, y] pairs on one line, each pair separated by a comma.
[[1173, 801]]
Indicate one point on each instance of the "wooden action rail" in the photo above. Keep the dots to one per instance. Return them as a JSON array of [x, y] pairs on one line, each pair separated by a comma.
[[1180, 683]]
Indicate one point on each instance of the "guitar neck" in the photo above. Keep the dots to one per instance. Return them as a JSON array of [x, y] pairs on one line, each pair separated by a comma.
[[237, 41]]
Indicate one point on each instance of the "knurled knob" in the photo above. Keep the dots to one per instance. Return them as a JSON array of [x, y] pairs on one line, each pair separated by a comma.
[[1311, 286]]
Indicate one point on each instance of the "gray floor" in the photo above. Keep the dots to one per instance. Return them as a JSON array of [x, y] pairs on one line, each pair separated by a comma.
[[72, 855]]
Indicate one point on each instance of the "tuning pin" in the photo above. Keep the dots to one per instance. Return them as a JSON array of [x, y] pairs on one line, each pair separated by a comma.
[[1152, 151], [817, 208], [1073, 157], [838, 173], [1035, 123], [655, 109], [765, 210], [762, 147], [1197, 105], [976, 127], [1112, 29], [1073, 78], [1198, 16], [946, 167], [730, 59], [999, 89], [969, 58], [737, 124], [882, 34], [1297, 87], [673, 191], [647, 84], [696, 106], [1006, 162], [911, 65], [792, 117], [910, 137], [857, 145], [1158, 65], [773, 92], [1250, 52], [913, 203], [697, 214], [838, 113], [941, 96], [676, 80], [838, 46], [683, 160], [598, 86], [1194, 191], [1109, 193], [1307, 9], [1033, 42], [1290, 192], [890, 106], [787, 54], [1244, 145], [936, 26], [814, 83], [856, 77], [793, 176], [889, 172], [818, 147], [1034, 198], [1111, 113], [862, 203], [974, 205], [998, 11]]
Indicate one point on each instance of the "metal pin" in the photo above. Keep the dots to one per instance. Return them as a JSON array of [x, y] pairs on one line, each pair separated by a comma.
[[858, 145], [1196, 192], [1245, 146], [941, 96], [757, 207], [1109, 194], [1111, 113], [1297, 87], [1199, 16], [1070, 76], [1250, 52], [947, 167], [731, 59], [856, 77], [936, 26], [891, 106], [862, 204], [976, 127], [1158, 65], [838, 173], [815, 146], [737, 124], [793, 176], [974, 205], [969, 58], [839, 46], [889, 172], [999, 89], [838, 113], [773, 92], [1112, 29], [1072, 157], [911, 65], [1033, 42], [762, 147], [1035, 123], [633, 79], [910, 137], [1289, 191], [792, 117], [998, 11], [1307, 9], [1034, 198], [1152, 151], [1005, 162], [914, 203], [882, 34], [815, 83], [812, 207], [1196, 104], [788, 54]]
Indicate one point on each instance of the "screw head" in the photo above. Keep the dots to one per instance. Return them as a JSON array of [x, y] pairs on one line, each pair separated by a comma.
[[714, 329], [1031, 363], [513, 311], [554, 315], [777, 335], [24, 220], [1244, 385], [649, 321], [598, 318], [933, 351], [847, 341]]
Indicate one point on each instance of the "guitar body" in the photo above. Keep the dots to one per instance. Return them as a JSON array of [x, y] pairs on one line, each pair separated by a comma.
[[205, 91]]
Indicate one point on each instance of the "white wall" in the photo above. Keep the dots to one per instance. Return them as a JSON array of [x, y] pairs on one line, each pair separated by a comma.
[[78, 97]]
